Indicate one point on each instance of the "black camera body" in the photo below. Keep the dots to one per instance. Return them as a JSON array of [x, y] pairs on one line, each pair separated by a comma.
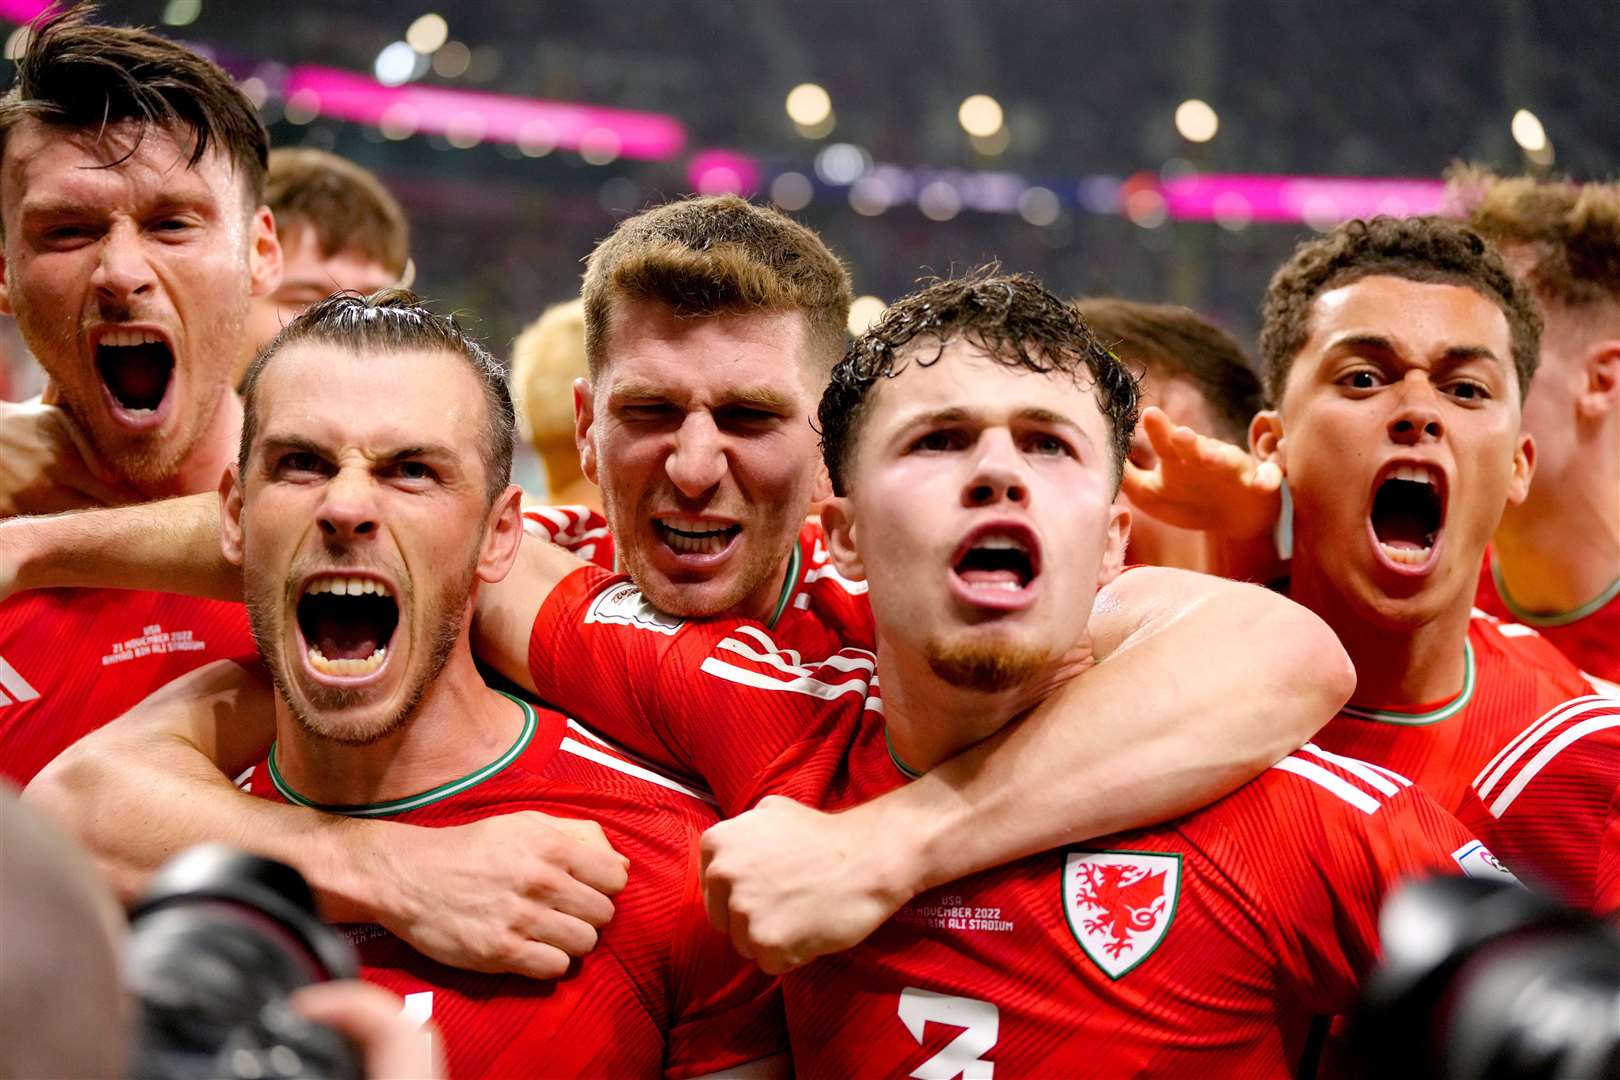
[[1490, 981], [217, 943]]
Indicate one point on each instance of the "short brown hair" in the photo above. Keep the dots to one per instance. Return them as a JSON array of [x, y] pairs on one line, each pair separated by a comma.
[[393, 320], [546, 359], [347, 206], [1176, 342], [1572, 230], [1425, 249], [714, 255], [75, 74], [1012, 317]]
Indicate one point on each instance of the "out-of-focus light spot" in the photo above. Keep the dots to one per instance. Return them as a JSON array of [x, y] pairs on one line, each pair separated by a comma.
[[428, 33], [1394, 206], [1321, 212], [465, 130], [1039, 206], [537, 139], [1099, 194], [719, 180], [1232, 211], [980, 115], [17, 43], [939, 201], [1528, 132], [842, 163], [254, 89], [817, 131], [1542, 157], [484, 64], [808, 105], [992, 145], [863, 312], [1146, 208], [395, 64], [870, 196], [1196, 121], [303, 106], [181, 12], [792, 191], [451, 60], [399, 121], [599, 146], [619, 195], [1176, 168]]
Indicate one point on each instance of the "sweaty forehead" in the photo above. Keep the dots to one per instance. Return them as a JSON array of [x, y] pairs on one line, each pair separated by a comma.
[[1421, 317], [46, 164]]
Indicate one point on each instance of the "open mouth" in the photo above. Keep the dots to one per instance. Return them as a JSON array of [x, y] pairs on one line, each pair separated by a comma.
[[996, 565], [347, 623], [1408, 513], [137, 367], [693, 536]]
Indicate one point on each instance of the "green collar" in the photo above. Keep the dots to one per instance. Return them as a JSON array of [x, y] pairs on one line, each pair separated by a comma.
[[897, 760], [791, 582], [1557, 618], [1433, 716], [531, 723]]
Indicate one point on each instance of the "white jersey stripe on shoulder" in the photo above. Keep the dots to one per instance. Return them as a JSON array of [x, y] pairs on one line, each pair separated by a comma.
[[1513, 629], [1322, 778], [15, 683], [791, 666], [580, 729], [854, 588], [556, 517], [245, 777], [807, 686], [1508, 756], [1374, 776], [602, 757], [766, 641], [1553, 748], [1603, 686]]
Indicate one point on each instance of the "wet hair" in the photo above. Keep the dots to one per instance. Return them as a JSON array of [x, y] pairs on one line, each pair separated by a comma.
[[347, 206], [714, 256], [1175, 342], [1016, 321], [77, 75], [393, 320], [1571, 231], [1432, 250]]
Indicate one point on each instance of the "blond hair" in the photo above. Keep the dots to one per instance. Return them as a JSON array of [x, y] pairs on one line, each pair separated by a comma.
[[1571, 230], [717, 255], [546, 359]]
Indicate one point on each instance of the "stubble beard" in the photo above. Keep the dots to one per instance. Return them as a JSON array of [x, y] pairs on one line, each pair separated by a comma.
[[986, 668]]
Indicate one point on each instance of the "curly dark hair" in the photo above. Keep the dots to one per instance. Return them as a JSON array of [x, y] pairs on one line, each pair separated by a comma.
[[393, 320], [1011, 317], [76, 74], [1432, 250]]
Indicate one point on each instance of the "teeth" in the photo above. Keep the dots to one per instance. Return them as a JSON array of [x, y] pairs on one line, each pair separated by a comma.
[[1418, 474], [694, 536], [320, 663], [127, 338], [1404, 555], [346, 586], [1001, 543], [693, 525]]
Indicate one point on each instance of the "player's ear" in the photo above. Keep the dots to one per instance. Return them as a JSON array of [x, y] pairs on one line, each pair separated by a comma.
[[1524, 468], [5, 284], [503, 532], [264, 253], [838, 523], [1119, 534], [584, 417], [1266, 438], [1600, 391], [230, 515]]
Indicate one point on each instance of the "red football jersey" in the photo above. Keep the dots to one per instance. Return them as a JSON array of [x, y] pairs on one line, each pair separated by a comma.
[[1208, 944], [818, 612], [1589, 635], [1549, 804], [1513, 674], [73, 659], [662, 995]]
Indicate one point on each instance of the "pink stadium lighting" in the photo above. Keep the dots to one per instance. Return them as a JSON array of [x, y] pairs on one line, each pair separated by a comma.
[[345, 95], [713, 172], [1300, 198], [22, 11]]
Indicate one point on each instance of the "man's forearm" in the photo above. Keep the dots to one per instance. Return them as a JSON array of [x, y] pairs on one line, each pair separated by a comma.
[[1188, 708], [135, 803], [171, 546]]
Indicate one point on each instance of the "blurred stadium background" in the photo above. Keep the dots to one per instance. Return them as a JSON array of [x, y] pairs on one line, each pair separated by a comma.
[[1156, 149]]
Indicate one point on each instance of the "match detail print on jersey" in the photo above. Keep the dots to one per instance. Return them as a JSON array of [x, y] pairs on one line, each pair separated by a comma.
[[1120, 904]]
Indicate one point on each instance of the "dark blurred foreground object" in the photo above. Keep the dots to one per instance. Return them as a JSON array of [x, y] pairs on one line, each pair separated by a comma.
[[216, 944], [1487, 981]]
